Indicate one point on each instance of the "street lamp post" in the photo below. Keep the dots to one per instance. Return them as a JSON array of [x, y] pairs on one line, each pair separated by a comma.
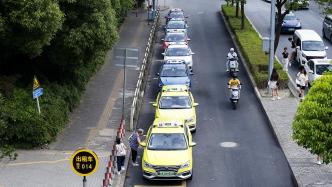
[[272, 37]]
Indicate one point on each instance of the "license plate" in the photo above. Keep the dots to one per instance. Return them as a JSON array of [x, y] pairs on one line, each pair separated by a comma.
[[166, 173], [291, 29]]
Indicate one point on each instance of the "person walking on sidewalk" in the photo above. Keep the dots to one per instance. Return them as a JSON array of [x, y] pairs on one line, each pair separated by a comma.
[[285, 60], [120, 151], [273, 84], [134, 141], [301, 81]]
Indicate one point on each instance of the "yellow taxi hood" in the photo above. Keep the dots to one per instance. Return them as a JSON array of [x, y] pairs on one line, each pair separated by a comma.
[[175, 113], [166, 158]]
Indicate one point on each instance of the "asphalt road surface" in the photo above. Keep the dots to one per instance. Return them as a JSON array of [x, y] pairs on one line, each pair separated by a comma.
[[258, 11], [257, 159]]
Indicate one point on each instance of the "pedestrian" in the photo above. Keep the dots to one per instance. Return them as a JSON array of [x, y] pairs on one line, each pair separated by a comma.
[[285, 60], [120, 151], [301, 81], [273, 84], [134, 140]]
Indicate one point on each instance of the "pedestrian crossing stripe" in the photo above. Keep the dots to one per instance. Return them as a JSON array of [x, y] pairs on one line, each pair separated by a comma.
[[35, 83]]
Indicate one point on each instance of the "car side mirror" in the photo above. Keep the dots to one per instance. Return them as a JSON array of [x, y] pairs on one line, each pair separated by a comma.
[[162, 39], [297, 47], [192, 53], [310, 71], [192, 144], [195, 104], [157, 74], [143, 144], [290, 39], [191, 73], [153, 104], [326, 47], [188, 39], [163, 54]]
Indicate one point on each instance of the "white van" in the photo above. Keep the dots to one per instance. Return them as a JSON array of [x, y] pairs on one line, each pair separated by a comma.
[[308, 45]]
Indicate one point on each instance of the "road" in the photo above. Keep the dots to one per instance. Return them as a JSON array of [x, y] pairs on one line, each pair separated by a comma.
[[257, 160], [258, 11]]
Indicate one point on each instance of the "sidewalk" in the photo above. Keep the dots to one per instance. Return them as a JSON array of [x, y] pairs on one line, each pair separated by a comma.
[[93, 124], [302, 162], [281, 114]]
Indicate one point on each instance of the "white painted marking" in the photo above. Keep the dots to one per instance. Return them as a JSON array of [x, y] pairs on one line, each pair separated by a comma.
[[228, 144]]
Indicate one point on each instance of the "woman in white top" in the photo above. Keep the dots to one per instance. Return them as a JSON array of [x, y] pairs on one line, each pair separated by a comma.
[[120, 151], [302, 81]]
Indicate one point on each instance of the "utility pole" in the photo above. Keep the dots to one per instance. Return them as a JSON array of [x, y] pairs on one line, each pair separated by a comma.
[[272, 37]]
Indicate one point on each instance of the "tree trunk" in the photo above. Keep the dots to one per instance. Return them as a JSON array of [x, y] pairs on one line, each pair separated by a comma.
[[242, 14], [237, 8], [232, 3]]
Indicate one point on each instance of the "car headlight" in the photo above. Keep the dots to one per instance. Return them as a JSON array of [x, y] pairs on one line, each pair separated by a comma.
[[298, 24], [185, 165], [147, 165], [189, 120]]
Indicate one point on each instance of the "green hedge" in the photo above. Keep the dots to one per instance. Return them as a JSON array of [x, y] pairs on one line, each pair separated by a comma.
[[251, 47], [312, 126]]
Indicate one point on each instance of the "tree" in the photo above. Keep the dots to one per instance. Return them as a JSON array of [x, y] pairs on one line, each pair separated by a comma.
[[326, 4], [242, 13], [312, 127], [237, 2], [28, 26], [279, 20]]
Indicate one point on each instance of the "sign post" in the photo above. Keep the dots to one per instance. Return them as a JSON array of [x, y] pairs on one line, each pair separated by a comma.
[[84, 162], [37, 91]]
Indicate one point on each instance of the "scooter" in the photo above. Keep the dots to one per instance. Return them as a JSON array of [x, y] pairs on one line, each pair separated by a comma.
[[233, 66], [235, 96]]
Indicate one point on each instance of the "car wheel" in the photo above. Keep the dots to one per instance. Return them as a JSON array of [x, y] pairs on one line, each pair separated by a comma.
[[323, 32], [191, 177]]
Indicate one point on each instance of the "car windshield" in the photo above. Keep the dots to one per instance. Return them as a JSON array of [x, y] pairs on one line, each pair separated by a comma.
[[176, 15], [181, 51], [180, 37], [321, 68], [174, 71], [290, 17], [175, 102], [167, 141], [313, 46], [176, 25]]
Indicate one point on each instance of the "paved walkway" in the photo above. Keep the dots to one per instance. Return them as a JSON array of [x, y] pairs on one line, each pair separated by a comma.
[[281, 114], [93, 124]]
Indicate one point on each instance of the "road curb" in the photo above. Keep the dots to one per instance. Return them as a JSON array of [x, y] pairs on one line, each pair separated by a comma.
[[258, 95]]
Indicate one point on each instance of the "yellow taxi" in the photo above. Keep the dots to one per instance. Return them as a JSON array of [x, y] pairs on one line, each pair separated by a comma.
[[167, 151], [176, 102]]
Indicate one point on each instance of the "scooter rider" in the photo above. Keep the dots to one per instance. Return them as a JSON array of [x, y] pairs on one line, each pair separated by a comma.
[[231, 55], [234, 82]]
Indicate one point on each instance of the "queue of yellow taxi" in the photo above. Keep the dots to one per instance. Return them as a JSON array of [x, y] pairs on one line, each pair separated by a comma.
[[167, 153]]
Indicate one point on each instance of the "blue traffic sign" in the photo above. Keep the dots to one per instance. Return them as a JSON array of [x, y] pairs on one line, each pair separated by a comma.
[[37, 93]]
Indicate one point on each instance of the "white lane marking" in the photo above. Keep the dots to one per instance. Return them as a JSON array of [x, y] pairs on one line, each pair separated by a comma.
[[228, 144]]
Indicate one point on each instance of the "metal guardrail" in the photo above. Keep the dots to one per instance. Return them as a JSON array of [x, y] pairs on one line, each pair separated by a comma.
[[141, 83]]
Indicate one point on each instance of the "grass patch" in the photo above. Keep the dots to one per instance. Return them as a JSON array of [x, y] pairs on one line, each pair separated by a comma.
[[251, 48]]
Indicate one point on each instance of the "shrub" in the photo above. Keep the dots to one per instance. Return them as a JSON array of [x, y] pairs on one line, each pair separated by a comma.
[[251, 47], [312, 127]]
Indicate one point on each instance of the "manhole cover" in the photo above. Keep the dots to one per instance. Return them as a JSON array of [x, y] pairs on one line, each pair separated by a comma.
[[228, 144]]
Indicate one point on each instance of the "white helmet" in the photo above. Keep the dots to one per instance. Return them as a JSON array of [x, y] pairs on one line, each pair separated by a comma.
[[231, 50]]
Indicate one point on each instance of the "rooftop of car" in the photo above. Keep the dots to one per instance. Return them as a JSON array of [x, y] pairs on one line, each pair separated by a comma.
[[178, 46], [322, 61], [308, 35]]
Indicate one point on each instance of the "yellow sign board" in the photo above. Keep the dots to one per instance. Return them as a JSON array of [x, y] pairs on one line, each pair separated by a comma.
[[84, 162], [35, 83]]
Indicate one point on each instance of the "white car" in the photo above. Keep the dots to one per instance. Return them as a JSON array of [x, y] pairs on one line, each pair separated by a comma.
[[179, 52], [316, 67]]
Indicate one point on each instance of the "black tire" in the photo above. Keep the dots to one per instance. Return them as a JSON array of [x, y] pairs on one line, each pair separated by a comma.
[[323, 33], [191, 177], [234, 105]]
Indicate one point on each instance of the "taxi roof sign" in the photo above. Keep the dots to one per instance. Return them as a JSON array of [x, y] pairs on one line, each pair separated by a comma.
[[84, 162], [175, 88]]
